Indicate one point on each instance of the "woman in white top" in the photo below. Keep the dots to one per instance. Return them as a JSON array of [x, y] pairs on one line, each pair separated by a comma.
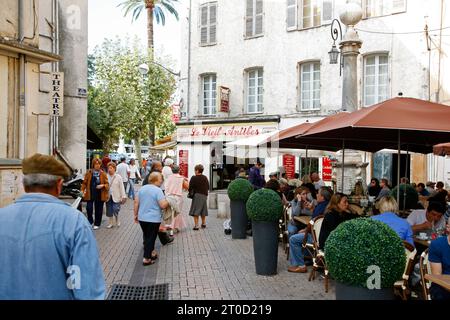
[[117, 195], [134, 173]]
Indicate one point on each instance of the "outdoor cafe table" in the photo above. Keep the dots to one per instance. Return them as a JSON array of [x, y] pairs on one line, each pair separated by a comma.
[[303, 219], [443, 280], [425, 243]]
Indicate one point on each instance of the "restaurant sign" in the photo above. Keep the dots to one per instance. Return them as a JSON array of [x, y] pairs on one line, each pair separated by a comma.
[[289, 165], [183, 159], [222, 132], [326, 169], [224, 99]]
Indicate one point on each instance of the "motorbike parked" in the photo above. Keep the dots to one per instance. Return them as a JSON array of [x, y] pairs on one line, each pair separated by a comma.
[[72, 187]]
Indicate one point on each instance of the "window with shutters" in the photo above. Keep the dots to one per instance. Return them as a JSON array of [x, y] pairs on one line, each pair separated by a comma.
[[254, 18], [377, 8], [255, 85], [292, 14], [311, 14], [303, 14], [208, 24], [376, 79], [310, 86], [209, 94]]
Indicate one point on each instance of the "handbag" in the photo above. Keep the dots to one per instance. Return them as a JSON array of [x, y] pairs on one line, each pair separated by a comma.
[[191, 194]]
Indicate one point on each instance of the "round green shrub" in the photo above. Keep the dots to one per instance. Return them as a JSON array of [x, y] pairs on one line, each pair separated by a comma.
[[264, 205], [412, 197], [359, 243], [239, 189]]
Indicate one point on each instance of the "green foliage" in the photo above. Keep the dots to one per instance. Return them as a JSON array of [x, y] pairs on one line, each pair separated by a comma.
[[359, 243], [159, 6], [264, 205], [412, 196], [121, 100], [239, 189]]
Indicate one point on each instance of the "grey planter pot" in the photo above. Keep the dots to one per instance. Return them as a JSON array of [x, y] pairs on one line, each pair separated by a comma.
[[346, 292], [265, 247], [239, 220]]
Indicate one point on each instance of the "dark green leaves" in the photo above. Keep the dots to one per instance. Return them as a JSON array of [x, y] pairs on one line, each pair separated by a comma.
[[264, 205], [239, 189]]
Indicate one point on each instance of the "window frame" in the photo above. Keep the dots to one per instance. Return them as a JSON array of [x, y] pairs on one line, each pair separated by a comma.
[[202, 100], [295, 26], [247, 72], [384, 14], [311, 91], [254, 18], [377, 66], [208, 25]]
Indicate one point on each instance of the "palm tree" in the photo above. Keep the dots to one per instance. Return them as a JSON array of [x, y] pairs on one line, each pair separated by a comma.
[[155, 9]]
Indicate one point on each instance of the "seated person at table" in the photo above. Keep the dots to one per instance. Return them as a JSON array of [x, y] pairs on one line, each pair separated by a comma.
[[421, 190], [388, 214], [423, 220], [385, 191], [302, 205], [336, 213], [296, 252], [439, 257]]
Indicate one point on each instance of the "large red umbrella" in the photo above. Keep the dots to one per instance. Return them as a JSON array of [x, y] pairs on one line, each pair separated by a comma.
[[442, 149]]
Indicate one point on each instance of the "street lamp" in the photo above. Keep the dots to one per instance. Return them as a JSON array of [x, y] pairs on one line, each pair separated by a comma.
[[143, 69], [334, 52]]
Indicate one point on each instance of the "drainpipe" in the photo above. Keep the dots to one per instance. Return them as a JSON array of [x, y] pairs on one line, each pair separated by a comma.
[[22, 100], [189, 62], [438, 92]]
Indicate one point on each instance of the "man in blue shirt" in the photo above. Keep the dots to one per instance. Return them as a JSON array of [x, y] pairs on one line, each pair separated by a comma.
[[439, 257], [254, 176], [388, 206], [48, 250]]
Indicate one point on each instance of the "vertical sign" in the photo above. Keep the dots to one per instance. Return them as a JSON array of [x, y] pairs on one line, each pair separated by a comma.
[[224, 99], [57, 94], [175, 113], [183, 158], [326, 169], [289, 165]]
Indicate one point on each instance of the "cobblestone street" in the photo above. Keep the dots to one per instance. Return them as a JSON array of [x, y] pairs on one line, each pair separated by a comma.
[[204, 264]]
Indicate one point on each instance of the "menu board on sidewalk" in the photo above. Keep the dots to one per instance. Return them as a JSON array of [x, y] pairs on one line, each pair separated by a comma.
[[289, 165], [183, 158], [326, 169]]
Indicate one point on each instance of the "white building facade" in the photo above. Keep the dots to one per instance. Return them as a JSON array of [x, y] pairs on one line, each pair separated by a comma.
[[272, 56]]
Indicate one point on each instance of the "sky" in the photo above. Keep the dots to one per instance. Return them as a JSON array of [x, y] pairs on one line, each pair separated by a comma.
[[106, 20]]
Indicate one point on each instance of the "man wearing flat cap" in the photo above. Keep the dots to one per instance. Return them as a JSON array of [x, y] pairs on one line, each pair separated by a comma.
[[47, 248]]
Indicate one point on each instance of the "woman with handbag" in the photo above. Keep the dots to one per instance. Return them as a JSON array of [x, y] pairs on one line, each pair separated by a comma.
[[175, 184], [117, 196], [198, 190], [95, 188]]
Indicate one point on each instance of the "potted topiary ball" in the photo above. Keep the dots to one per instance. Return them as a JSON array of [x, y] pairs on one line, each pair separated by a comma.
[[238, 191], [264, 208], [365, 257], [412, 197]]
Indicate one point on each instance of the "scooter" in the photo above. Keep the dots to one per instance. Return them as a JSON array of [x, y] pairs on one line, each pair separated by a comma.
[[72, 187]]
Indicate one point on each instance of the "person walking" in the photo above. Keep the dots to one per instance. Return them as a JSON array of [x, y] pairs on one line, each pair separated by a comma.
[[254, 176], [175, 184], [117, 196], [95, 188], [147, 212], [124, 171], [48, 250], [134, 174], [199, 186]]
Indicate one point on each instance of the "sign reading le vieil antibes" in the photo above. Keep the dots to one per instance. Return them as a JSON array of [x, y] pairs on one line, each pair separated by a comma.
[[57, 94]]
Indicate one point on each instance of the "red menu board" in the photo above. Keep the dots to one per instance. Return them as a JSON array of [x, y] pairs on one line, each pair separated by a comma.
[[183, 158], [326, 169], [289, 165]]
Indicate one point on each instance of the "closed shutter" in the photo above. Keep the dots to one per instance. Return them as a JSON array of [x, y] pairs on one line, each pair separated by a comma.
[[292, 10], [398, 6], [249, 19], [212, 23], [204, 25], [327, 11]]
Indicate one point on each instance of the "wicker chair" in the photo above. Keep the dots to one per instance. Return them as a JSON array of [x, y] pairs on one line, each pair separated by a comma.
[[317, 254], [284, 234], [425, 268], [401, 287]]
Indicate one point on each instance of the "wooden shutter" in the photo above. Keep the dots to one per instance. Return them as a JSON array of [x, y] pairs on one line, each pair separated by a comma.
[[398, 6], [327, 11], [212, 23], [204, 24], [259, 17], [291, 17]]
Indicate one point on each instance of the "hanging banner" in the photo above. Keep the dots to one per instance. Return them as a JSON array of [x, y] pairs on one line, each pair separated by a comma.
[[224, 99], [183, 158], [289, 165], [57, 94], [326, 169]]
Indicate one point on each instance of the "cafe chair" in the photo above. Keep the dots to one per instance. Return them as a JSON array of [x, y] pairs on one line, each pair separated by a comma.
[[284, 233], [425, 268], [317, 254], [401, 287]]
